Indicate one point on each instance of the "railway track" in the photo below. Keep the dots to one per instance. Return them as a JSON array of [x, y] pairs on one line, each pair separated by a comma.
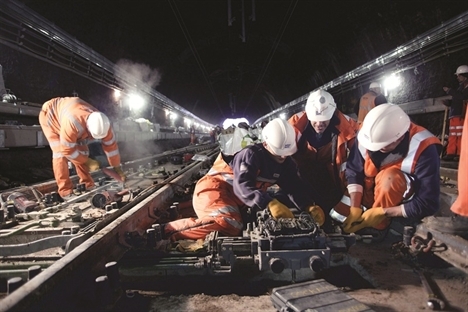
[[52, 251]]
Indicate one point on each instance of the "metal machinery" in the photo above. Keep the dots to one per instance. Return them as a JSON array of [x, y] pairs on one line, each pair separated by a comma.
[[55, 256], [266, 243]]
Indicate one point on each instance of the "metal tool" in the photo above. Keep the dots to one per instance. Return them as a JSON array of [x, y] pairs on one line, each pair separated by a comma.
[[433, 300]]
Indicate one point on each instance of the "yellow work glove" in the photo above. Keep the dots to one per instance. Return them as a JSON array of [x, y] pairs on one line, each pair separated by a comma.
[[317, 214], [354, 214], [370, 218], [92, 164], [120, 172], [279, 210]]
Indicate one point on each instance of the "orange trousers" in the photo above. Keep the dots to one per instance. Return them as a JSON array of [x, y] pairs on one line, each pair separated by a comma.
[[392, 187], [455, 136], [460, 206], [60, 163], [217, 209]]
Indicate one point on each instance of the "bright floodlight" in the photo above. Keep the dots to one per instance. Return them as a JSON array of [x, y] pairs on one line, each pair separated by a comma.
[[117, 94], [135, 101], [392, 82], [234, 121]]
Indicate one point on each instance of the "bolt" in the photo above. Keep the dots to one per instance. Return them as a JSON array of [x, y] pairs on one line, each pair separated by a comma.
[[13, 284], [33, 271]]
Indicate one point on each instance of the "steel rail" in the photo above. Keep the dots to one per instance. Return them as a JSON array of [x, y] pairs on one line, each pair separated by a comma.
[[70, 279]]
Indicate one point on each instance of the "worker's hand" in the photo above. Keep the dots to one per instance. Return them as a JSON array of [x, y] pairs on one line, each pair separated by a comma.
[[354, 214], [120, 172], [370, 218], [279, 210], [92, 164], [317, 214]]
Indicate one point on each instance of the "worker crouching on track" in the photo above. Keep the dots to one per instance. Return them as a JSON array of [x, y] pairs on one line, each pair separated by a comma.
[[68, 123], [242, 181], [324, 137], [393, 169]]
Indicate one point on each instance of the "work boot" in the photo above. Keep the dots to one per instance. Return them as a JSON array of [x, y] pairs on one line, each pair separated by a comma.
[[456, 224]]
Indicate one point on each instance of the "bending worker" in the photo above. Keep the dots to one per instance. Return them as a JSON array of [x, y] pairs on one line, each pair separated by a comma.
[[370, 100], [242, 181], [67, 124], [457, 113], [324, 138], [393, 169]]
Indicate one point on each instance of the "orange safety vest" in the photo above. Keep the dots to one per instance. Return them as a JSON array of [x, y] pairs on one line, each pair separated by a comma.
[[66, 117], [420, 139], [366, 103], [347, 133]]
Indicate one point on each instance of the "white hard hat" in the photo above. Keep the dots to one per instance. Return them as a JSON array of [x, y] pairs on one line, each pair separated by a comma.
[[98, 125], [280, 137], [462, 69], [320, 106], [383, 125], [374, 85]]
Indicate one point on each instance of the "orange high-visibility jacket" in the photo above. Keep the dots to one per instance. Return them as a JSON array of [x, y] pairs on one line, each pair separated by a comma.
[[347, 133], [67, 118], [366, 103]]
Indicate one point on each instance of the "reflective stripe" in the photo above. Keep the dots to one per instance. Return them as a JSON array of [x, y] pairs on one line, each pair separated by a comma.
[[111, 141], [336, 216], [416, 140], [224, 210], [112, 153], [67, 144], [57, 155], [54, 143], [346, 200], [74, 155], [234, 223], [343, 167], [84, 152], [409, 181]]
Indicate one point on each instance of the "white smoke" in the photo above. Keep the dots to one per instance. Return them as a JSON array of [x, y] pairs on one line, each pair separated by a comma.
[[141, 72]]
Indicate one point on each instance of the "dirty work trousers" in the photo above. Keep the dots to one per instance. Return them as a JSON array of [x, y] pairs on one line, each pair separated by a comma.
[[460, 206], [455, 136], [60, 163], [392, 187], [217, 209]]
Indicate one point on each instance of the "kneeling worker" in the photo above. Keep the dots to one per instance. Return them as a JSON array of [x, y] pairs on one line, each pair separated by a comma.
[[67, 124], [393, 169], [241, 181]]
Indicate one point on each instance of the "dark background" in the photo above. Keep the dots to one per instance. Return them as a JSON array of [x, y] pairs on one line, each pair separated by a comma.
[[193, 57]]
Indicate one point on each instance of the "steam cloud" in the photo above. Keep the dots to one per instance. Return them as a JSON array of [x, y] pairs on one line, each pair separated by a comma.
[[142, 72]]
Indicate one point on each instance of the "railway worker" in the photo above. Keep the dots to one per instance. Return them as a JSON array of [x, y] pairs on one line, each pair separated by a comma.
[[457, 113], [239, 181], [370, 100], [458, 222], [68, 123], [393, 169], [324, 137]]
